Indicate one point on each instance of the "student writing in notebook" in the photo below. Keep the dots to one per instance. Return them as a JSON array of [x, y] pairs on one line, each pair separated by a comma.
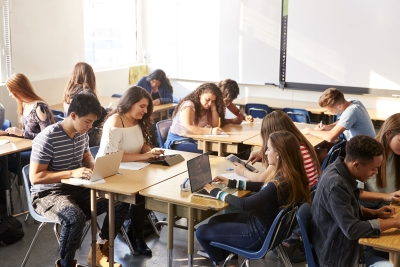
[[198, 113], [288, 185], [128, 128], [62, 151], [159, 86]]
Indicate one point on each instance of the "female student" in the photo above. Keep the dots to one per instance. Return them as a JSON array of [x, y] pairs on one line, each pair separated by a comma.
[[33, 112], [128, 128], [200, 112], [384, 187], [288, 185], [277, 121], [159, 86], [230, 91], [82, 77]]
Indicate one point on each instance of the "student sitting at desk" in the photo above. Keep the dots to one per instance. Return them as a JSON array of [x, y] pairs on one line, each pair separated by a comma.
[[82, 77], [384, 187], [353, 121], [230, 91], [288, 185], [278, 121], [128, 128], [159, 86], [59, 152], [200, 112], [338, 220]]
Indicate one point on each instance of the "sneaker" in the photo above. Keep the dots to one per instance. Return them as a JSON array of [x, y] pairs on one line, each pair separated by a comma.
[[101, 256], [76, 264], [203, 254]]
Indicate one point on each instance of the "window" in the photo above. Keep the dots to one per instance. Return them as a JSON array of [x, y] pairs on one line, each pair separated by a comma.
[[110, 32]]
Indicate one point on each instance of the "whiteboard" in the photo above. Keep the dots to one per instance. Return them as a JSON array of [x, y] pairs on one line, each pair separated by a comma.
[[210, 40], [345, 43]]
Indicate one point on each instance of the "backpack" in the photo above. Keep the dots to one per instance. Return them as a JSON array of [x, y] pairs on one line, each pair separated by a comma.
[[294, 247], [10, 230]]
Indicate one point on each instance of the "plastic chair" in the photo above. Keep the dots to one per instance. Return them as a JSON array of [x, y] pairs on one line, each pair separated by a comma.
[[176, 99], [6, 125], [116, 95], [298, 114], [94, 150], [279, 231], [337, 150], [304, 218], [58, 113], [162, 131], [257, 110]]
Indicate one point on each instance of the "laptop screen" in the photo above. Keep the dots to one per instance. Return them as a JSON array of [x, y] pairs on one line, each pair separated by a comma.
[[199, 172]]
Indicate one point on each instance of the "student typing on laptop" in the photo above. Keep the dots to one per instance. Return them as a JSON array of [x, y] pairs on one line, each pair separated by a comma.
[[62, 151], [287, 185]]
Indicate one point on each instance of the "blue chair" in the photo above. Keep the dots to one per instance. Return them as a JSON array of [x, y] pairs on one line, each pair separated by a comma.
[[279, 231], [6, 125], [94, 150], [337, 150], [58, 113], [162, 131], [116, 95], [176, 99], [298, 114], [58, 118], [303, 218], [257, 110]]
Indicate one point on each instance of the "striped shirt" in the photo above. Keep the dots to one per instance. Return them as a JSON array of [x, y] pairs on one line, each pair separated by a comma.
[[54, 147], [309, 166]]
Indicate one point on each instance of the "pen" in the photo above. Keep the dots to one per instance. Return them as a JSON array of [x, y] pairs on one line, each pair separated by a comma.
[[320, 124], [230, 169]]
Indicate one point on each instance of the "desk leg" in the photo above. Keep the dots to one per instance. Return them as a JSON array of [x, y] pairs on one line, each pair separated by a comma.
[[93, 214], [111, 224], [219, 149], [395, 259], [190, 237], [7, 182], [204, 146], [170, 242]]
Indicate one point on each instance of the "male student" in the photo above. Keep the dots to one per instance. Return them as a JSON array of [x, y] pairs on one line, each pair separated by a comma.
[[337, 218], [62, 151], [353, 121]]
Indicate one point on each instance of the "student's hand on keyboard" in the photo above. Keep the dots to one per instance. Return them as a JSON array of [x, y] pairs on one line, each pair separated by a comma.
[[385, 212], [209, 187], [84, 173], [221, 180]]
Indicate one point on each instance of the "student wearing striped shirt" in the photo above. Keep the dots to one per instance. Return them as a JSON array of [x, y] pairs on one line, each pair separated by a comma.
[[248, 228], [62, 151], [277, 121]]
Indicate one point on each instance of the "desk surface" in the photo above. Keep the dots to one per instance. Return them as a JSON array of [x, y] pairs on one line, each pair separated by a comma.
[[16, 144]]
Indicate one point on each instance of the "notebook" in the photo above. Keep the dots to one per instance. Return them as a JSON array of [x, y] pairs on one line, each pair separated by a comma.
[[200, 174], [104, 166]]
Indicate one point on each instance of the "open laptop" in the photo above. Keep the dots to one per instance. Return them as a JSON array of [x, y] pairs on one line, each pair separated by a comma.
[[200, 174], [104, 166]]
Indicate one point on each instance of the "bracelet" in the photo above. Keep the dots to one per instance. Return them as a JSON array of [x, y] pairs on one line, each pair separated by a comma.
[[211, 130], [243, 172]]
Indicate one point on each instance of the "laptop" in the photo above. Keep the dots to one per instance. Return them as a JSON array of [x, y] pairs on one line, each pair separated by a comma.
[[104, 166], [200, 174]]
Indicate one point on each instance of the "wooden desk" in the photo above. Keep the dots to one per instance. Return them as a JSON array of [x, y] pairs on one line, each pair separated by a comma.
[[257, 141], [104, 101], [389, 241], [167, 197], [159, 110], [16, 145], [125, 186], [232, 144]]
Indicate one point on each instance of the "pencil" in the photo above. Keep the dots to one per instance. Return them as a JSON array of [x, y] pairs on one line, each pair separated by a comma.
[[219, 122]]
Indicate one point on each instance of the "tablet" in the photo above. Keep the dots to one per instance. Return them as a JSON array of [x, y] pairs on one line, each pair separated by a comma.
[[233, 158], [161, 159]]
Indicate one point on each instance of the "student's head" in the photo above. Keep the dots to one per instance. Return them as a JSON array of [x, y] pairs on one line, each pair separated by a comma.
[[284, 153], [333, 100], [82, 75], [157, 78], [363, 157], [389, 137], [203, 97], [229, 89], [83, 110]]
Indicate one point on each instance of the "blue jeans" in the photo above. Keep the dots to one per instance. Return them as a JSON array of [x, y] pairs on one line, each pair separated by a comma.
[[236, 229], [375, 258]]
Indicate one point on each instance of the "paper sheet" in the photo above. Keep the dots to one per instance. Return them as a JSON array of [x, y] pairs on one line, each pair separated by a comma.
[[223, 134], [233, 176], [3, 142], [84, 181], [134, 166]]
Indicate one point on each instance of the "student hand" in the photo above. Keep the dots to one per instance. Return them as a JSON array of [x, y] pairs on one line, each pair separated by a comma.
[[84, 173], [3, 132], [306, 130], [249, 118], [239, 168], [385, 212], [221, 180], [14, 131], [216, 130], [254, 157], [393, 197], [237, 120], [157, 151], [156, 102], [209, 187]]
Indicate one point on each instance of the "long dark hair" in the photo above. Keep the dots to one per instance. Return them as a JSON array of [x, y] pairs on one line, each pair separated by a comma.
[[128, 99], [160, 76], [195, 98]]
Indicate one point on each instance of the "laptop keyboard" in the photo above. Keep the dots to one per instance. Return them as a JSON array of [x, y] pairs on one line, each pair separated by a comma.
[[220, 186], [202, 191]]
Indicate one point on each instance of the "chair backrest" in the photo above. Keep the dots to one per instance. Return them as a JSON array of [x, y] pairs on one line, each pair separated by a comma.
[[337, 150], [94, 150], [58, 118], [162, 131], [58, 113], [6, 125], [28, 185], [116, 95], [304, 218], [257, 110], [176, 99], [298, 114]]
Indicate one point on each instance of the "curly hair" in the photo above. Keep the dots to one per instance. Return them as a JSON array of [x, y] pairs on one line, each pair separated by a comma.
[[363, 148], [229, 89], [82, 75], [195, 98], [128, 99]]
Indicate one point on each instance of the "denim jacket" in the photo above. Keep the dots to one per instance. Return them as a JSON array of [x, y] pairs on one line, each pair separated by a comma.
[[337, 222]]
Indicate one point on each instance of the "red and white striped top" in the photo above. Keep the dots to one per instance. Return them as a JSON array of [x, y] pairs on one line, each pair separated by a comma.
[[309, 166]]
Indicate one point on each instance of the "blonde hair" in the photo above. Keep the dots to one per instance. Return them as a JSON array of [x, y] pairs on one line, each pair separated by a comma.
[[331, 97]]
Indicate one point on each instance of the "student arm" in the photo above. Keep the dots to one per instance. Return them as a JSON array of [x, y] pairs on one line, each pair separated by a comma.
[[253, 176], [377, 196], [38, 174], [88, 160], [239, 116], [329, 135], [187, 118], [165, 94]]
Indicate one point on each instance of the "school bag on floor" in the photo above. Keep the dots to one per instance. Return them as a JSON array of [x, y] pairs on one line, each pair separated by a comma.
[[10, 230]]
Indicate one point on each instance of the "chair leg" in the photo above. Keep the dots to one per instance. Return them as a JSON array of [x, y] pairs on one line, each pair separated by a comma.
[[245, 263], [124, 233], [284, 256], [33, 243], [228, 259], [55, 228], [153, 225], [85, 231]]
